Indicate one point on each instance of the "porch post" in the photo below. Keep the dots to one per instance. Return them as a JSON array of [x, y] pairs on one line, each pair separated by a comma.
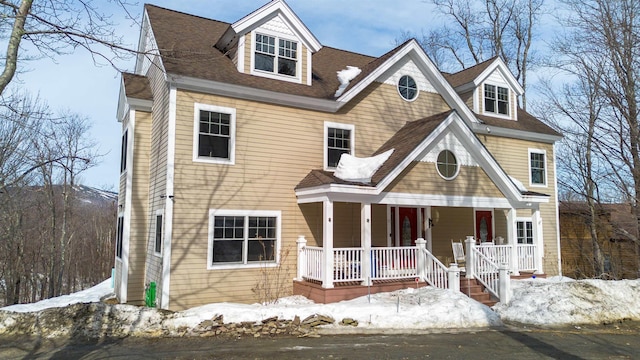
[[327, 244], [469, 244], [302, 259], [513, 240], [504, 280], [421, 261], [428, 224], [536, 219], [365, 243], [453, 274]]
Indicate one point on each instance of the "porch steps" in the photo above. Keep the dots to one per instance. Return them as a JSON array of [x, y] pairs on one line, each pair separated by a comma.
[[473, 289]]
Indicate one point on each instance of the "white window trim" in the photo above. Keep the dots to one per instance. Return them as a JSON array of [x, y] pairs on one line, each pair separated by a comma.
[[546, 171], [232, 133], [325, 145], [275, 74], [533, 229], [219, 212], [497, 114], [155, 227], [417, 88], [457, 165]]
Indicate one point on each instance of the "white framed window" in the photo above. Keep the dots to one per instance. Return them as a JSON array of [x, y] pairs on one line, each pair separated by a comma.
[[524, 231], [274, 54], [123, 151], [119, 235], [214, 134], [338, 140], [496, 99], [241, 238], [447, 165], [537, 167], [158, 235], [408, 88]]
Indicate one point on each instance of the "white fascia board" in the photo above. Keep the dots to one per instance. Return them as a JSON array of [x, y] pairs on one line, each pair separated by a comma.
[[249, 93], [250, 21], [144, 27], [139, 104], [506, 73], [123, 104], [430, 71], [486, 160], [422, 148], [444, 200], [485, 129]]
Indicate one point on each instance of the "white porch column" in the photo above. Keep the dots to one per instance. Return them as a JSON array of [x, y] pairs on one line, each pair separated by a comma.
[[512, 239], [421, 261], [327, 244], [302, 258], [470, 260], [365, 243], [536, 219]]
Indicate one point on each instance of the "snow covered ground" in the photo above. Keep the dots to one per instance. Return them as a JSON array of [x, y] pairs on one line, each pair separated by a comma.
[[541, 302]]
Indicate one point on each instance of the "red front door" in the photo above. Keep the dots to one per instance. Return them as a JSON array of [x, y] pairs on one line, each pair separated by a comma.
[[408, 226], [484, 226]]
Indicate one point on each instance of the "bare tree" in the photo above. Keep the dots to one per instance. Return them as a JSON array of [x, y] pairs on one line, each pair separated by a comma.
[[55, 27], [478, 30], [600, 53]]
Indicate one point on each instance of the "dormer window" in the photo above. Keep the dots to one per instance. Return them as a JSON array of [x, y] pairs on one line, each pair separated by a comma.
[[496, 99], [276, 55]]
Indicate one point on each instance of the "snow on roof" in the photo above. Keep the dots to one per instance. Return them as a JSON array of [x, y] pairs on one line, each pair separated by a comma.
[[345, 76], [351, 168], [518, 183]]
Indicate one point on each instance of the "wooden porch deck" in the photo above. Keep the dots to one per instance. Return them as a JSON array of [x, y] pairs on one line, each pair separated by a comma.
[[349, 290]]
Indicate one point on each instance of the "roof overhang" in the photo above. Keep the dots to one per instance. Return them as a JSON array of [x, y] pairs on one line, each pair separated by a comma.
[[376, 194]]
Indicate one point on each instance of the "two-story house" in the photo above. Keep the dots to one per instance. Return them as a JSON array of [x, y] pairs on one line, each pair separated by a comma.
[[245, 141]]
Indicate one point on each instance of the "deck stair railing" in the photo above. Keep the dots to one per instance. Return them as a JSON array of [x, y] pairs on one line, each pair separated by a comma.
[[485, 270]]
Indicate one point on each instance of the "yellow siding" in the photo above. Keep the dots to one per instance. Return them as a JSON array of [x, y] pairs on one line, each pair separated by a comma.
[[139, 209], [513, 156], [264, 177], [247, 53], [423, 178]]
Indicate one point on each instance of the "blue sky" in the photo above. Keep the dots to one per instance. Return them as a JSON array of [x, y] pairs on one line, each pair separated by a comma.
[[75, 83]]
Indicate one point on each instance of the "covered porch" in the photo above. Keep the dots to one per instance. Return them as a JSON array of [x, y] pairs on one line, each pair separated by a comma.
[[369, 248]]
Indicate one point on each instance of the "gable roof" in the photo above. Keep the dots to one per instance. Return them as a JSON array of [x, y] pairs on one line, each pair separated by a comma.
[[410, 143], [137, 86], [469, 74], [472, 77]]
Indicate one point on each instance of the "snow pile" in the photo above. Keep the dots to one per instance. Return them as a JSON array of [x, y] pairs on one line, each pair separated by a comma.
[[345, 76], [518, 184], [93, 294], [558, 303], [351, 168], [540, 302]]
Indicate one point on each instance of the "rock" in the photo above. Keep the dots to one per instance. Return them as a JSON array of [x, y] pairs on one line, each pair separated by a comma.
[[349, 322], [317, 320]]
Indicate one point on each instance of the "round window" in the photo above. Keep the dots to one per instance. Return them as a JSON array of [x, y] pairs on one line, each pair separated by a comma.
[[407, 87], [447, 165]]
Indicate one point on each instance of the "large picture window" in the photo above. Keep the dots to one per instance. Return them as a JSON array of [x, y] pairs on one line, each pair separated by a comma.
[[496, 99], [338, 141], [243, 238], [275, 55], [214, 134]]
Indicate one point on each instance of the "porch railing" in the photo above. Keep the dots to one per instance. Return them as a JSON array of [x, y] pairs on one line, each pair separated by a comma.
[[485, 269], [393, 263], [436, 273], [527, 257]]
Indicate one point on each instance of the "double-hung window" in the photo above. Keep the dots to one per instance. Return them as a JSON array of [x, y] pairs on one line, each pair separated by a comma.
[[158, 236], [241, 238], [275, 55], [214, 134], [496, 99], [537, 167], [123, 151], [338, 141], [524, 231]]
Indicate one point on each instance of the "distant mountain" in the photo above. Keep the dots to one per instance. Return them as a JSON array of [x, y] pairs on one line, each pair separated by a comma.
[[92, 195]]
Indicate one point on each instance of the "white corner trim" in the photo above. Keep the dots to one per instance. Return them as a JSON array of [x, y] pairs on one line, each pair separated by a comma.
[[555, 185], [240, 54], [126, 220], [168, 217]]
